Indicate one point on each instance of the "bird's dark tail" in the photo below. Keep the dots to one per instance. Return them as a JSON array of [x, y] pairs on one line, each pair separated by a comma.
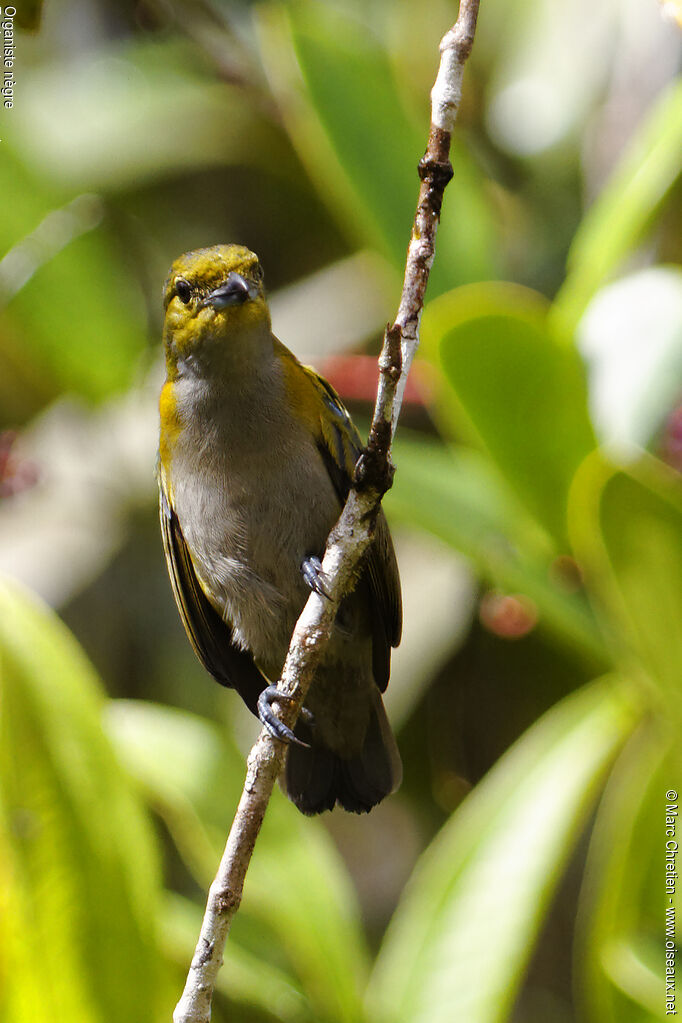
[[316, 779]]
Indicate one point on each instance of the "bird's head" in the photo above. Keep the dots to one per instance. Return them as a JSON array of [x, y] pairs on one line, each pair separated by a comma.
[[214, 299]]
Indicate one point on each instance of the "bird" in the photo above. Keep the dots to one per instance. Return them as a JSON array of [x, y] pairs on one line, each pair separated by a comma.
[[256, 459]]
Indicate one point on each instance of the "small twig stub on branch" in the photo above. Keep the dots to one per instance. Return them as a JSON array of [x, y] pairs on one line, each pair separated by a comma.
[[351, 535]]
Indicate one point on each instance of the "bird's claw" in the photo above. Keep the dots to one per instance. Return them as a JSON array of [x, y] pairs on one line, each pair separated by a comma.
[[275, 727], [311, 569]]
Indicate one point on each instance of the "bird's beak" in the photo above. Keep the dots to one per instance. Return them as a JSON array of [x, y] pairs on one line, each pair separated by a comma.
[[235, 291]]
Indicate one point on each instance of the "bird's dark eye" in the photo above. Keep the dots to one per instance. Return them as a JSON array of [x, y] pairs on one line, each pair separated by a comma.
[[183, 290]]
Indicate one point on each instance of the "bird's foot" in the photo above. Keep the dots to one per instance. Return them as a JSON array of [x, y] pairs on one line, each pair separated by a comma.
[[311, 569], [277, 728]]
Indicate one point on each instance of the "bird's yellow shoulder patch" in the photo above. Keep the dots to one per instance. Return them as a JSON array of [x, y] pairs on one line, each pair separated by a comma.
[[316, 403], [170, 424], [300, 390]]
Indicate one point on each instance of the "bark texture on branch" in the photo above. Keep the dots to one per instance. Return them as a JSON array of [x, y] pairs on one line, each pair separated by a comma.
[[351, 535]]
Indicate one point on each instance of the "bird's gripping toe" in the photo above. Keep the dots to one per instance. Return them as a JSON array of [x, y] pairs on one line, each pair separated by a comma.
[[311, 570], [267, 716]]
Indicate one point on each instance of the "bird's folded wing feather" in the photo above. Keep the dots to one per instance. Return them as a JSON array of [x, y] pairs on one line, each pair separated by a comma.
[[340, 445], [209, 634]]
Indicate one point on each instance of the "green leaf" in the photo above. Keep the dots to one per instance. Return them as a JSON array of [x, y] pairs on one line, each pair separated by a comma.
[[616, 220], [522, 393], [627, 533], [454, 494], [619, 931], [462, 935], [79, 884], [73, 319], [335, 84], [298, 912]]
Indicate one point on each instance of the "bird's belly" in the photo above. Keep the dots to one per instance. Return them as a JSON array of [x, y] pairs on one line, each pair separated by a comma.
[[248, 539]]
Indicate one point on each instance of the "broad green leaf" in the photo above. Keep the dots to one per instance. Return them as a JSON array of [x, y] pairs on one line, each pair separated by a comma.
[[521, 392], [336, 87], [73, 317], [460, 939], [627, 533], [619, 931], [454, 494], [298, 910], [79, 884], [615, 222]]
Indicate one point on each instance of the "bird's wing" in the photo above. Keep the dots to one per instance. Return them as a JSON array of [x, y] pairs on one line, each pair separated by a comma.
[[340, 445], [210, 636]]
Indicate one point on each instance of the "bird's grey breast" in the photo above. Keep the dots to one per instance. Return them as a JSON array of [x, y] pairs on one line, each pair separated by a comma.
[[253, 499]]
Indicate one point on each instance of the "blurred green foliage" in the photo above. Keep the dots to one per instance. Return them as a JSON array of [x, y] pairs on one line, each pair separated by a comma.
[[521, 866]]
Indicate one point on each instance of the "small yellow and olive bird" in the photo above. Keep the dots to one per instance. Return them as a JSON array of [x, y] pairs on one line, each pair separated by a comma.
[[256, 457]]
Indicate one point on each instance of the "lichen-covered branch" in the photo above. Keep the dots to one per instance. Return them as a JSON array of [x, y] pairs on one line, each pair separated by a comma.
[[351, 535]]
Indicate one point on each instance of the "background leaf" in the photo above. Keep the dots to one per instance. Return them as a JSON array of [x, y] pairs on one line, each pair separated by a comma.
[[454, 494], [298, 912], [493, 867], [348, 106], [619, 934], [615, 222], [628, 537], [80, 881], [73, 316], [521, 392]]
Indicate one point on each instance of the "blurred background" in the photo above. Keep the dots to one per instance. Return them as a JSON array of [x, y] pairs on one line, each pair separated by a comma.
[[519, 873]]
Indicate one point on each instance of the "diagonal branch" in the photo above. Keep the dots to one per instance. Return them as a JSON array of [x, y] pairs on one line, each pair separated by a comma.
[[352, 534]]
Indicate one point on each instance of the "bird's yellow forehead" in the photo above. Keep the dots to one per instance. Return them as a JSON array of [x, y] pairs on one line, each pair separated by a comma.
[[206, 268]]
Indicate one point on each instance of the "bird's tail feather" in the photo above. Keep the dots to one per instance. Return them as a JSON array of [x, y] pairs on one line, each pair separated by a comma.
[[318, 778]]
